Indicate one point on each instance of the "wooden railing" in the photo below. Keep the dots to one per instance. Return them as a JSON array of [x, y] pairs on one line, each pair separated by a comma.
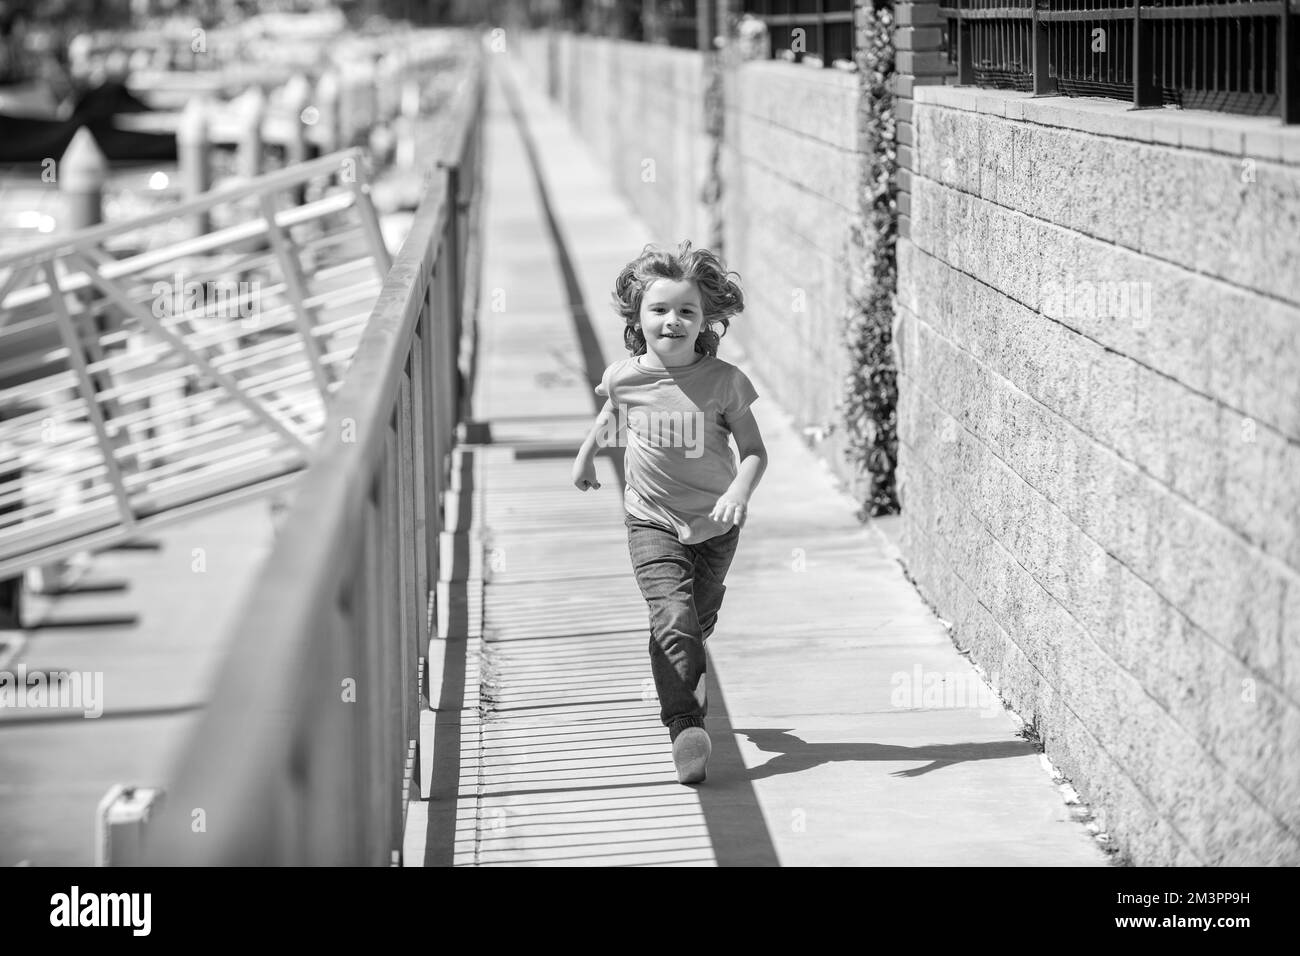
[[306, 753]]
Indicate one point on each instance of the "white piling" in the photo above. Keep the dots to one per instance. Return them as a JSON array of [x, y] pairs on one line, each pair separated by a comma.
[[248, 154], [410, 111], [193, 150], [326, 130], [82, 173], [294, 98]]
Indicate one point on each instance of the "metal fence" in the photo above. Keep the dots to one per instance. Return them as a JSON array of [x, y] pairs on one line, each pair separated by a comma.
[[821, 28], [681, 20], [1238, 56], [796, 28], [306, 753]]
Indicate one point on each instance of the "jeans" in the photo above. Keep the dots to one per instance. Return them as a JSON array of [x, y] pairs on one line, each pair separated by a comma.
[[683, 589]]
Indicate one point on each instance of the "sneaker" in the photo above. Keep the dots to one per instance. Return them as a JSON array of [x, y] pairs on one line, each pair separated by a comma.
[[691, 752]]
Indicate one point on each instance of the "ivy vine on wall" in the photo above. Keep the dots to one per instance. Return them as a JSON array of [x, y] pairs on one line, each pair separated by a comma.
[[870, 393]]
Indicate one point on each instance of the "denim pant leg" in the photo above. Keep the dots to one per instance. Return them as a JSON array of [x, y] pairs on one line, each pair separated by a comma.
[[665, 573], [683, 590], [712, 561]]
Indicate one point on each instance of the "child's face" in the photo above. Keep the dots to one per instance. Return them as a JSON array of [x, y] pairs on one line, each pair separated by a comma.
[[671, 320]]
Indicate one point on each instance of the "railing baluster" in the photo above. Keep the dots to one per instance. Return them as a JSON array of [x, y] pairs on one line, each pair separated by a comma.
[[370, 222], [1145, 91], [1044, 84], [965, 49], [394, 730], [408, 563], [295, 285], [1288, 63], [72, 342]]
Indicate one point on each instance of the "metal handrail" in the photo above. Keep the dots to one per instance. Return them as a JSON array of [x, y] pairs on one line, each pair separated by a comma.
[[128, 401], [306, 752]]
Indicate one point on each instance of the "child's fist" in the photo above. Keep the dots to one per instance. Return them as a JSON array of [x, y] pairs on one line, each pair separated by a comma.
[[584, 475], [730, 509]]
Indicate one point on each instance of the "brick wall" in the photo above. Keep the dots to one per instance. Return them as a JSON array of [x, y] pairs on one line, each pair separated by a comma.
[[1100, 444], [920, 60]]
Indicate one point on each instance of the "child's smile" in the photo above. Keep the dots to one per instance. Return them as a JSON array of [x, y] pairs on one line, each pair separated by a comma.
[[671, 320]]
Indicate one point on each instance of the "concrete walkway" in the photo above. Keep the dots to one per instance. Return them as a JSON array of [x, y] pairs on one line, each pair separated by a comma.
[[835, 742]]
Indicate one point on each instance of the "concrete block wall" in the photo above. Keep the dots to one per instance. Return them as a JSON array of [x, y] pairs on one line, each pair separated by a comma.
[[1100, 448], [790, 170], [640, 108]]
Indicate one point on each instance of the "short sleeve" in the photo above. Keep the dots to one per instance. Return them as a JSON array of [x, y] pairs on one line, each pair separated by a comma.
[[739, 396], [603, 388]]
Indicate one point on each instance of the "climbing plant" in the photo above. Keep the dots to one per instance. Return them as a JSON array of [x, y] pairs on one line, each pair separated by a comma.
[[870, 389]]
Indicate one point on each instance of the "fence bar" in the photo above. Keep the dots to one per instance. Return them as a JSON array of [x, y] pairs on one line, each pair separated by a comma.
[[1288, 60], [965, 63], [291, 269], [77, 359], [1044, 83], [1145, 90]]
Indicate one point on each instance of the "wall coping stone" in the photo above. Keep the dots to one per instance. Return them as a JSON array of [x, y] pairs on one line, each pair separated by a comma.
[[1256, 137], [840, 79]]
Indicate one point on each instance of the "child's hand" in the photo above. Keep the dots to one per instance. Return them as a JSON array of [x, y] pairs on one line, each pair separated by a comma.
[[732, 508], [584, 474]]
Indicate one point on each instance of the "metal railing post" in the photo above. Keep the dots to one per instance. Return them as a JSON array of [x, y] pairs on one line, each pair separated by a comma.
[[1146, 92], [1288, 60], [391, 693], [965, 65], [1044, 83]]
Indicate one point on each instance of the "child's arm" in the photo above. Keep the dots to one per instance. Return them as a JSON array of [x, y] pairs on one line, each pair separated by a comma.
[[733, 504], [584, 466]]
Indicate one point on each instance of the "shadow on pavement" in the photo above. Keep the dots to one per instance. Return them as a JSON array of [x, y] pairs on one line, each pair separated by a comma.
[[794, 755]]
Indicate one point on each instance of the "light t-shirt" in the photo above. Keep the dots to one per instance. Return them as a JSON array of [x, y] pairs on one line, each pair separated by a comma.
[[679, 459]]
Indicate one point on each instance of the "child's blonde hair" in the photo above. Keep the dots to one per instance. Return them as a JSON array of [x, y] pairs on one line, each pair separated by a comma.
[[720, 295]]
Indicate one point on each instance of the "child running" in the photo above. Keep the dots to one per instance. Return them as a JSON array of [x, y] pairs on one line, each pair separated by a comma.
[[686, 499]]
